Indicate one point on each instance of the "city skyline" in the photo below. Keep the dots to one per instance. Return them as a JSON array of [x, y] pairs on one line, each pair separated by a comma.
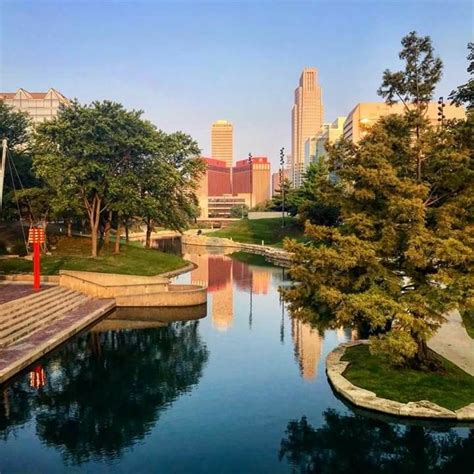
[[248, 76]]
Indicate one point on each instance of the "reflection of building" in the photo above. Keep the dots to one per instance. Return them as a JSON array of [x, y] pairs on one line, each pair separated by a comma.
[[219, 273], [221, 141], [308, 345], [260, 281], [41, 106], [252, 178], [366, 114], [306, 119]]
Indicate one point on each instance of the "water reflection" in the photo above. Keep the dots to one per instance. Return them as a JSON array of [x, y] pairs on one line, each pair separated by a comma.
[[307, 345], [221, 274], [105, 390], [224, 275], [356, 444]]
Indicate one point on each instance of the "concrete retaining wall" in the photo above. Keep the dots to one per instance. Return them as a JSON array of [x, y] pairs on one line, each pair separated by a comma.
[[28, 277], [266, 215], [360, 397], [133, 291], [177, 295]]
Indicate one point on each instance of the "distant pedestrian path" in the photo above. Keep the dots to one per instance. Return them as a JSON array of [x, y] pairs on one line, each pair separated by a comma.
[[454, 343]]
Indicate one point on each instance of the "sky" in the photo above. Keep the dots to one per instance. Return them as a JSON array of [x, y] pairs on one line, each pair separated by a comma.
[[188, 63]]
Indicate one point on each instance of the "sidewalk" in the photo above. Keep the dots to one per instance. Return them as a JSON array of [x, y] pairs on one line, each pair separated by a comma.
[[453, 342]]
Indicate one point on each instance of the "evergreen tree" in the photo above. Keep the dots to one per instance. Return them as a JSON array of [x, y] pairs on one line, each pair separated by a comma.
[[402, 254], [465, 94]]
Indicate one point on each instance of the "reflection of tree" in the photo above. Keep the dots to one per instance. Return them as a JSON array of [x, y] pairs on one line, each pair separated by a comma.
[[15, 407], [102, 401], [355, 444]]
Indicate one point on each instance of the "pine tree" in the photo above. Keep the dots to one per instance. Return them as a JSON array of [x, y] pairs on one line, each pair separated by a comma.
[[402, 254]]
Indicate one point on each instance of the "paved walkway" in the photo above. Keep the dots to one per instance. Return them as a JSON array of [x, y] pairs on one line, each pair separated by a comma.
[[454, 343], [13, 291]]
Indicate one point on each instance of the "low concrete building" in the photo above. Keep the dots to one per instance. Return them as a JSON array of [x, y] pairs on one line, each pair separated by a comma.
[[41, 106]]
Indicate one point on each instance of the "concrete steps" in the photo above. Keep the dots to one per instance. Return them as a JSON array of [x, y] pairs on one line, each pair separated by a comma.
[[24, 316]]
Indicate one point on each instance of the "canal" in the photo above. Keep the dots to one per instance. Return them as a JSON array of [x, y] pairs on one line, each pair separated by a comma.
[[241, 390]]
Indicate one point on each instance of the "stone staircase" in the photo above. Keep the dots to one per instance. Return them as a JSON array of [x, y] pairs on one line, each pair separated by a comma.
[[24, 316]]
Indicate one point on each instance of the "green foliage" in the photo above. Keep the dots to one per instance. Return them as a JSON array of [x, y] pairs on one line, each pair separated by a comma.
[[464, 94], [417, 82], [305, 201], [14, 126], [239, 211], [101, 157], [451, 387], [402, 254]]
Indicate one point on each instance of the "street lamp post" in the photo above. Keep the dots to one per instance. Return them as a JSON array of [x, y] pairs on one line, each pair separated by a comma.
[[441, 116], [251, 179], [282, 188]]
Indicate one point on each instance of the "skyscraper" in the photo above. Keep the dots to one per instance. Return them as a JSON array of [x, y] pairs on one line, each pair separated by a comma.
[[221, 141], [306, 119]]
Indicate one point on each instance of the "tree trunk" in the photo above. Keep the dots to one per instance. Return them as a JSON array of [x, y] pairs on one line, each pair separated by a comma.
[[108, 227], [127, 239], [148, 234], [93, 210], [93, 241], [117, 236], [69, 229]]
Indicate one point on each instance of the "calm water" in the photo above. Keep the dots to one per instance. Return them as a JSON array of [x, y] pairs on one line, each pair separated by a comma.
[[242, 390]]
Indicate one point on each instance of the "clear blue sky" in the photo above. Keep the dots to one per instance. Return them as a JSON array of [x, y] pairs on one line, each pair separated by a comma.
[[188, 63]]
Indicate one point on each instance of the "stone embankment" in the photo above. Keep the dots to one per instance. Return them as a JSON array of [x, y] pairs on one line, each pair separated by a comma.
[[360, 397], [274, 255]]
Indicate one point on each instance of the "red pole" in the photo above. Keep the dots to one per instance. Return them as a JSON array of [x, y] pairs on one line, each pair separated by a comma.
[[36, 266]]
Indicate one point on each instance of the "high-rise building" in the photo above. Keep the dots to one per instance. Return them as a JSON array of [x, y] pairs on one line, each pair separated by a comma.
[[222, 141], [41, 106], [276, 180], [306, 119], [253, 179], [366, 114], [330, 134]]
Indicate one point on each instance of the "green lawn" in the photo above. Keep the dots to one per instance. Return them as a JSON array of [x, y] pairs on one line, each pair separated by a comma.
[[73, 254], [468, 320], [451, 388], [254, 231]]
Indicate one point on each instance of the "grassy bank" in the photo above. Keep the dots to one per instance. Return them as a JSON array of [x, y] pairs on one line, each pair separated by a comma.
[[254, 231], [451, 388], [72, 253]]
